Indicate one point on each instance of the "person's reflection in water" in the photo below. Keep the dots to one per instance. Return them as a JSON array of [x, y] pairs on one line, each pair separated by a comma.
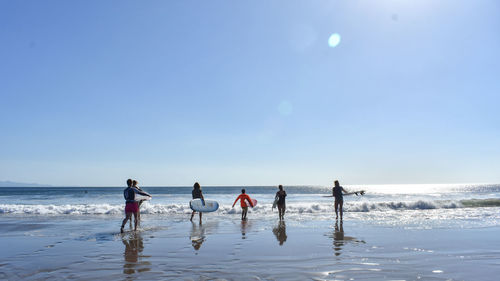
[[197, 235], [245, 226], [339, 239], [280, 232], [133, 254]]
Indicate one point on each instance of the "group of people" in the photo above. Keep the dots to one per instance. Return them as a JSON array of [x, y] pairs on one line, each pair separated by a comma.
[[132, 205]]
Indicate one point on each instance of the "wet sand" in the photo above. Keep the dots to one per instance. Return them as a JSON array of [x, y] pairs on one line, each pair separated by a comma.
[[226, 248]]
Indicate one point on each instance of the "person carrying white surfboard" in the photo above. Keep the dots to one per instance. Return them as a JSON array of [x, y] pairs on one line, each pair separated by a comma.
[[339, 198], [243, 197], [280, 202], [197, 194]]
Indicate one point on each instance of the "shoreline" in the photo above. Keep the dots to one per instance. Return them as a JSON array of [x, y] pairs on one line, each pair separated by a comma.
[[174, 248]]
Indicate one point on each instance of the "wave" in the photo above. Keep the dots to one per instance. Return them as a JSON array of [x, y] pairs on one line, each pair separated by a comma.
[[293, 208]]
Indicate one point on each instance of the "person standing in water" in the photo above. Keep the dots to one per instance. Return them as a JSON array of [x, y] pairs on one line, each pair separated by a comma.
[[131, 205], [339, 198], [280, 196], [243, 197], [134, 185], [197, 194]]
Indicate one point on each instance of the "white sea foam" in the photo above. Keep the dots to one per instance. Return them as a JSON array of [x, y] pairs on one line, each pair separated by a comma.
[[292, 208]]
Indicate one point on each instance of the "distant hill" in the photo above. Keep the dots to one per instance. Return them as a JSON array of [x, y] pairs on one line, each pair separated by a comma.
[[21, 184]]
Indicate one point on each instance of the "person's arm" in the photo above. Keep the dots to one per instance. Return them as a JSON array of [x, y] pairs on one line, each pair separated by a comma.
[[249, 201], [345, 191], [237, 198], [142, 193]]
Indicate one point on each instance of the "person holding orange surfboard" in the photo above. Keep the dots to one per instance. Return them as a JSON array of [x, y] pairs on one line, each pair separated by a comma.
[[244, 198]]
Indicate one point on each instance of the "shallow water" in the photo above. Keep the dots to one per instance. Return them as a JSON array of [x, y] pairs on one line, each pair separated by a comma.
[[425, 233], [227, 249]]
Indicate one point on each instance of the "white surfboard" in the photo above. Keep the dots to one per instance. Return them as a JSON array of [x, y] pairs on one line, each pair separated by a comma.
[[358, 192], [139, 197], [275, 203], [198, 206]]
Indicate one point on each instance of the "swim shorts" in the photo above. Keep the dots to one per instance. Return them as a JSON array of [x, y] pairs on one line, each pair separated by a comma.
[[132, 207]]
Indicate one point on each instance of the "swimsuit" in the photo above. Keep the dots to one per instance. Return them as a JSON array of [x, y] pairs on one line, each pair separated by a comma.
[[281, 198], [131, 205], [337, 193]]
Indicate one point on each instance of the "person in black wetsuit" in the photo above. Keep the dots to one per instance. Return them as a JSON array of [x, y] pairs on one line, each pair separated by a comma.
[[280, 195], [197, 193], [339, 198]]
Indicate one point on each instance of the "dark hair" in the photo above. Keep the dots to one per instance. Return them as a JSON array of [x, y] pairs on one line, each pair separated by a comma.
[[196, 185], [280, 187], [134, 182], [243, 190], [129, 182], [336, 182]]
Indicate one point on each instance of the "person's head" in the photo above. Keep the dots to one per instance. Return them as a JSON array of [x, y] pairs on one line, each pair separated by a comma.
[[336, 183], [196, 185], [280, 187], [134, 183], [243, 191], [129, 182]]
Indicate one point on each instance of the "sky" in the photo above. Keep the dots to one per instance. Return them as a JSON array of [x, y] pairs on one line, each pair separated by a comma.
[[249, 92]]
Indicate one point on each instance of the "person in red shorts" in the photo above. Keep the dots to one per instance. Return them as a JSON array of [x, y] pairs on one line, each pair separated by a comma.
[[131, 205], [243, 197]]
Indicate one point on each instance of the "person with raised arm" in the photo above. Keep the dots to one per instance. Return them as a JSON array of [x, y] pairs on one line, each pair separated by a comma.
[[339, 198], [244, 198]]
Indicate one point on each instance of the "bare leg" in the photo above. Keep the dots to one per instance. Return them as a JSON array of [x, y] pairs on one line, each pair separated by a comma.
[[341, 212], [200, 217], [135, 217], [336, 209], [127, 217], [192, 215]]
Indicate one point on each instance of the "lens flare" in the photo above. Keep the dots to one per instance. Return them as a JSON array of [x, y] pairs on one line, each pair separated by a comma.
[[334, 40]]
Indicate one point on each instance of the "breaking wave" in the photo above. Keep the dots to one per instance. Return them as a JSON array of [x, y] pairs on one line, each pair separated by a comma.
[[292, 208]]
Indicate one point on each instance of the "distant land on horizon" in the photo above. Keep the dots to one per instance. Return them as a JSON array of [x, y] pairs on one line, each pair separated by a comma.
[[21, 184]]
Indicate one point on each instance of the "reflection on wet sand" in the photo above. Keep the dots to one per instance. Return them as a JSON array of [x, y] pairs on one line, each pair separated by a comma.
[[197, 235], [280, 232], [245, 227], [339, 239], [133, 254]]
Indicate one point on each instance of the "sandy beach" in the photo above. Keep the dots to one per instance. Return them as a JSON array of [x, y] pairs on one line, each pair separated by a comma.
[[90, 248]]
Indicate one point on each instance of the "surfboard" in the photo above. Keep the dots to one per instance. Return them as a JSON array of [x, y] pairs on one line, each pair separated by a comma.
[[254, 202], [275, 203], [358, 192], [198, 206], [139, 197]]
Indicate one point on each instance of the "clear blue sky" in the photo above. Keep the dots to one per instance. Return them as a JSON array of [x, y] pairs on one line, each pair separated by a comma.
[[249, 92]]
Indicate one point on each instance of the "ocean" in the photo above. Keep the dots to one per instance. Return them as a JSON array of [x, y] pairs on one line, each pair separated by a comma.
[[424, 206], [393, 232]]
